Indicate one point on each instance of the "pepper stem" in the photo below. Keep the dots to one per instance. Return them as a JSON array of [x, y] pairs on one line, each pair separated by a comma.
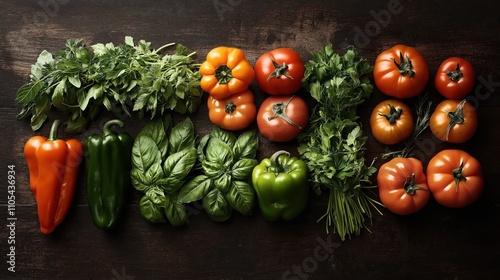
[[279, 70], [456, 117], [410, 187], [275, 166], [106, 130], [458, 175], [223, 74], [405, 65], [393, 115], [279, 110], [456, 74], [53, 130]]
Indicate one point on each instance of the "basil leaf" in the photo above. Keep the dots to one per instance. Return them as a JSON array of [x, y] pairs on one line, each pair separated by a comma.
[[218, 151], [242, 169], [156, 131], [195, 189], [176, 168], [155, 173], [29, 91], [223, 182], [224, 135], [175, 211], [241, 197], [156, 195], [200, 147], [151, 212], [182, 136], [212, 169], [139, 180], [216, 206], [144, 153], [246, 145]]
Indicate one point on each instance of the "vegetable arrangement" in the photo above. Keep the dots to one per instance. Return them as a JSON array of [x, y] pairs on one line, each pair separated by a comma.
[[172, 167], [454, 178]]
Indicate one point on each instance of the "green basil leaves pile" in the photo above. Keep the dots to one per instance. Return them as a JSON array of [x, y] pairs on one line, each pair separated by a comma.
[[162, 158], [226, 168], [80, 81]]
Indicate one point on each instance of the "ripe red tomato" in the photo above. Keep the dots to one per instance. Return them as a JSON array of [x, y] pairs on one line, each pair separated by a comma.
[[455, 178], [454, 121], [233, 113], [402, 185], [281, 118], [279, 71], [455, 78], [391, 122], [401, 72]]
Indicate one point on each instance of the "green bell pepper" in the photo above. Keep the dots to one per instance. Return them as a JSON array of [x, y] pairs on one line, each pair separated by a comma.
[[108, 165], [282, 186]]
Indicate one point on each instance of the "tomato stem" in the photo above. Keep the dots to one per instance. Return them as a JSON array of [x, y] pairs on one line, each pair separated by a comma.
[[279, 70], [410, 187], [393, 115], [279, 110], [405, 65], [223, 74], [455, 75], [456, 117], [458, 175], [230, 107]]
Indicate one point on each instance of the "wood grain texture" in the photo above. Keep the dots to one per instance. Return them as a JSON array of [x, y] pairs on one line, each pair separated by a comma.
[[436, 243]]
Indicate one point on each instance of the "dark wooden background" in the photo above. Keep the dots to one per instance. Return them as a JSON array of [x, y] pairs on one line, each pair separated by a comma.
[[436, 243]]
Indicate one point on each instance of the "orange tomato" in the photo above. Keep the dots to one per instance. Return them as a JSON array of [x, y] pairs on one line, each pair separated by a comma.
[[454, 121], [391, 122], [233, 113]]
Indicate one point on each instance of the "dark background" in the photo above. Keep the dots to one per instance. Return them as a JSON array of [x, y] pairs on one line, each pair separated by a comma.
[[436, 243]]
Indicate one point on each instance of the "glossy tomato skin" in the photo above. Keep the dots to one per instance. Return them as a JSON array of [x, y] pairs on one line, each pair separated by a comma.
[[277, 129], [455, 78], [291, 65], [448, 165], [454, 121], [391, 122], [236, 112], [395, 76], [397, 191]]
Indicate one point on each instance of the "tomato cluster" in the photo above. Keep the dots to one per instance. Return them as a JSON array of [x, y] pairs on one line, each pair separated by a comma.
[[454, 178], [226, 76]]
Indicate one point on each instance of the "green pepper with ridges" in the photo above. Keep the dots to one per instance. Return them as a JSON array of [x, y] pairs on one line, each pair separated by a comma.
[[108, 165], [282, 187]]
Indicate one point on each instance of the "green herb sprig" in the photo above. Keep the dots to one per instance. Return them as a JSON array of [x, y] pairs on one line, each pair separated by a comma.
[[80, 81]]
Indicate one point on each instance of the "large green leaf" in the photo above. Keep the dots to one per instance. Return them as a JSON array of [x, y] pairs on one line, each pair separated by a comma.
[[216, 206], [182, 136], [241, 197], [246, 145], [195, 189], [145, 153], [176, 168], [175, 211]]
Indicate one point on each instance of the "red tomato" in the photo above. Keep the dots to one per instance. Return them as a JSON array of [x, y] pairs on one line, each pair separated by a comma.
[[281, 118], [455, 78], [401, 72], [454, 121], [402, 185], [455, 178], [279, 71]]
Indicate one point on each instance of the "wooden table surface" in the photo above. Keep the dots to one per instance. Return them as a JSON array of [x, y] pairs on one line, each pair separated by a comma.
[[436, 243]]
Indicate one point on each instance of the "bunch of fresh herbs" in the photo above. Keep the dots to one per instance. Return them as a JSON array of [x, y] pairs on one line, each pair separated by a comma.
[[333, 144], [80, 81], [226, 167], [162, 158]]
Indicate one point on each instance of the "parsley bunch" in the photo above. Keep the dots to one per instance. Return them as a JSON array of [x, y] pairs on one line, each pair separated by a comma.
[[333, 144], [80, 81]]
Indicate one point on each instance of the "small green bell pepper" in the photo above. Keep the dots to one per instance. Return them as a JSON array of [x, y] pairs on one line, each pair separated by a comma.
[[282, 186], [108, 165]]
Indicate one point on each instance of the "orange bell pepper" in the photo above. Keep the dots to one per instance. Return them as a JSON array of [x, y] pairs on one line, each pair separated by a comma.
[[53, 166], [225, 72]]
